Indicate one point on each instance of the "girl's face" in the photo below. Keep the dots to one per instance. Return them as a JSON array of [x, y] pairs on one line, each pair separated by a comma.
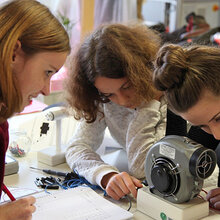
[[119, 91], [34, 72], [205, 114]]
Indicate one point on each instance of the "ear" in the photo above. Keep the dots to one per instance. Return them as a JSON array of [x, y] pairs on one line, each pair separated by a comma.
[[17, 50]]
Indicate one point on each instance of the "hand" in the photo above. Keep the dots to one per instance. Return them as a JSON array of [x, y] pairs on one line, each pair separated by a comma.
[[20, 209], [213, 197], [118, 185]]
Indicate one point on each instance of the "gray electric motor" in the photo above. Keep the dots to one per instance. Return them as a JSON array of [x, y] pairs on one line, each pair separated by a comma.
[[176, 167]]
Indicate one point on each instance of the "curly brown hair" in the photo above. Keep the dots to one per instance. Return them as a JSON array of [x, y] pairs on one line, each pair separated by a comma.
[[184, 72], [113, 51]]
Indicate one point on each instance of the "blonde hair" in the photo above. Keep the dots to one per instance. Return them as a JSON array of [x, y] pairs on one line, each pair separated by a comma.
[[38, 30]]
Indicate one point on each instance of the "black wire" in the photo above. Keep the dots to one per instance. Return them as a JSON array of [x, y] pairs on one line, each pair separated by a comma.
[[129, 199], [144, 182], [126, 197], [130, 203]]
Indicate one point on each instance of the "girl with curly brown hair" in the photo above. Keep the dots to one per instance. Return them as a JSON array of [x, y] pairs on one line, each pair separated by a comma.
[[110, 86]]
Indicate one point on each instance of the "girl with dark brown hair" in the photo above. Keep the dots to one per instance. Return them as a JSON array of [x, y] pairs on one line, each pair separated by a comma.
[[110, 86], [190, 80]]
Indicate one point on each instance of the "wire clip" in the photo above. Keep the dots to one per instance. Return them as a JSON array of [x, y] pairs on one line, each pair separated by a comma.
[[46, 183]]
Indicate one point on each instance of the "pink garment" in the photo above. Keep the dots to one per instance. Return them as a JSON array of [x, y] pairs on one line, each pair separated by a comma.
[[4, 138]]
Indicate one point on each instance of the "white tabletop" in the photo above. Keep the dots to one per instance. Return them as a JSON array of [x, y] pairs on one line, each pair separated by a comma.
[[26, 176]]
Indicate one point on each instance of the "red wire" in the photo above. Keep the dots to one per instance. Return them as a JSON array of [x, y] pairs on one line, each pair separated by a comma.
[[214, 209]]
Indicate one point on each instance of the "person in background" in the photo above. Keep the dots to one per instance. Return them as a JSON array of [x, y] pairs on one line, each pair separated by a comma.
[[34, 46], [110, 86], [190, 80]]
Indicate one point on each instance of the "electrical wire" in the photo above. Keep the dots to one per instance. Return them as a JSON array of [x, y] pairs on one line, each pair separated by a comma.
[[210, 206], [79, 181], [130, 203]]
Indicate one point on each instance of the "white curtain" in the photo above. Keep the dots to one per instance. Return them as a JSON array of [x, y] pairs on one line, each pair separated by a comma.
[[70, 9], [114, 11], [51, 4]]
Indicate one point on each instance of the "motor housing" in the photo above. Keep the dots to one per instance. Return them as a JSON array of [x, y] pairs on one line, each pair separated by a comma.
[[176, 166]]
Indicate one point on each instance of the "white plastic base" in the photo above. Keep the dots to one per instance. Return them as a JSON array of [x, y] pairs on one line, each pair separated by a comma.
[[158, 208], [11, 165], [51, 156]]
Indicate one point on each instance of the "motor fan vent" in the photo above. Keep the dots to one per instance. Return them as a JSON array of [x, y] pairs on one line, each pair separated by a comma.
[[202, 163], [164, 176]]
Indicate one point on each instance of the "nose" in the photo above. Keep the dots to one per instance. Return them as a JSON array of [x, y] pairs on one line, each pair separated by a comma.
[[46, 89], [122, 99], [215, 130]]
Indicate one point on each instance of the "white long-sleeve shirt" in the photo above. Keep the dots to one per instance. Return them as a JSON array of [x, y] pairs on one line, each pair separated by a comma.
[[135, 130]]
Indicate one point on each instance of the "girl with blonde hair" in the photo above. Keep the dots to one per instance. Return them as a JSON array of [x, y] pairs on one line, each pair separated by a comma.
[[33, 47]]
